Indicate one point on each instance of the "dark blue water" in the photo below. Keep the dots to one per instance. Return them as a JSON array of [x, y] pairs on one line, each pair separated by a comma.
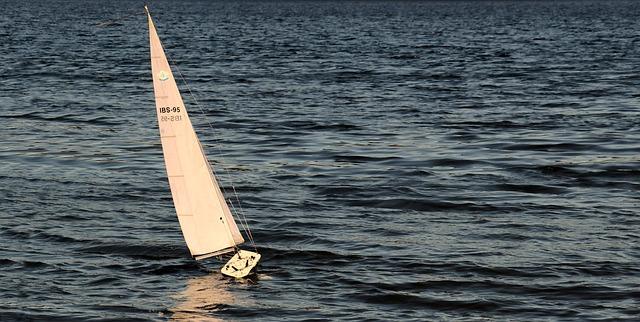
[[451, 160]]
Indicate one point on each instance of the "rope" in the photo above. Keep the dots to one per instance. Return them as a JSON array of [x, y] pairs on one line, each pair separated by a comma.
[[242, 218], [246, 230]]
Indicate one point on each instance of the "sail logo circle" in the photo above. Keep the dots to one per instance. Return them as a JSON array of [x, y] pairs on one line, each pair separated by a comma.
[[163, 76]]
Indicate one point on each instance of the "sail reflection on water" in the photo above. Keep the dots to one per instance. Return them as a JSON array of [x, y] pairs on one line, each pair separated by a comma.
[[202, 297]]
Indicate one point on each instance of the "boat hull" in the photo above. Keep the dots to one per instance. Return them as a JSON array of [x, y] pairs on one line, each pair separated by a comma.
[[241, 264]]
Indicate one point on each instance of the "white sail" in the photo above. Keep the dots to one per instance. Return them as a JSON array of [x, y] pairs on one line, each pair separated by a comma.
[[207, 224]]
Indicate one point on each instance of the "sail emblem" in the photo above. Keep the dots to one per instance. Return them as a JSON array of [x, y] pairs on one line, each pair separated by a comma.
[[163, 76]]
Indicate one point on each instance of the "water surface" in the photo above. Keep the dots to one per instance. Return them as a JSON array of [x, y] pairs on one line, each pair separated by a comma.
[[396, 160]]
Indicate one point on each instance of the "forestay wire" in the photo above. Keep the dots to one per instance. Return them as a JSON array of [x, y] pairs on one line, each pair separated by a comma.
[[238, 211]]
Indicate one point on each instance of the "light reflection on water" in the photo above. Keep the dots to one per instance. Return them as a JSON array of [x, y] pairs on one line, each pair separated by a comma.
[[202, 296]]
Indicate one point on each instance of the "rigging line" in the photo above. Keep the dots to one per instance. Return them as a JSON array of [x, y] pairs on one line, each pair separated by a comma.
[[216, 138], [249, 234], [241, 214], [244, 227], [212, 172]]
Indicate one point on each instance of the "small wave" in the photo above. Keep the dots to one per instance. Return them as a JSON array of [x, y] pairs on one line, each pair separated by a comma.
[[311, 125], [281, 235], [613, 176], [7, 262], [34, 264], [37, 234], [7, 315], [444, 76], [105, 281], [488, 125], [467, 267], [452, 162], [531, 188], [306, 224], [336, 191], [528, 227], [589, 292], [555, 147], [418, 286], [427, 205], [109, 23], [15, 234], [44, 180], [345, 75], [552, 170], [56, 238], [149, 252], [596, 269], [405, 56], [617, 172], [507, 237], [560, 104], [163, 269], [361, 159], [315, 256], [404, 300], [66, 118], [127, 309]]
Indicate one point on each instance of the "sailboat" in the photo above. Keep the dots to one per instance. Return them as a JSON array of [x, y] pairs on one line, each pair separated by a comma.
[[207, 224]]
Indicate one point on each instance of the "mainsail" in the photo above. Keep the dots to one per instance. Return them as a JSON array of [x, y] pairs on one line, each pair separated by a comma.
[[206, 221]]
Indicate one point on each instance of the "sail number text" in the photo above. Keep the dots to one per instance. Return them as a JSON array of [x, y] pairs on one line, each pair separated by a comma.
[[172, 118], [170, 109]]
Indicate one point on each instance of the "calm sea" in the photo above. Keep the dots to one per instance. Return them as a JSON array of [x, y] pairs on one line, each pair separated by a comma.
[[396, 160]]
